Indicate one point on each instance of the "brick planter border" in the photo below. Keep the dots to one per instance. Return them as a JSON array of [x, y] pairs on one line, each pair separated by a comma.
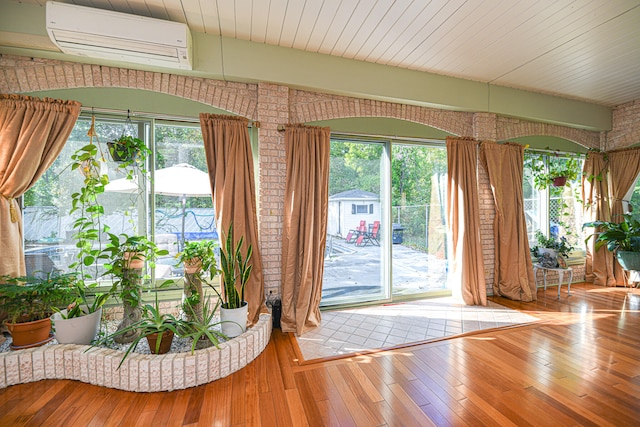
[[139, 372]]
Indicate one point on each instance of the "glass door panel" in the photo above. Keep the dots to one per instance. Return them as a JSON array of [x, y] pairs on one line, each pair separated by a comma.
[[419, 250], [354, 267]]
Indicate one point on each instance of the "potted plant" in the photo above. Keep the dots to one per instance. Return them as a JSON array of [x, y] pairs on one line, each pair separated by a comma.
[[197, 257], [127, 255], [236, 271], [621, 238], [79, 323], [126, 148], [201, 329], [29, 303], [559, 171], [551, 245], [156, 327]]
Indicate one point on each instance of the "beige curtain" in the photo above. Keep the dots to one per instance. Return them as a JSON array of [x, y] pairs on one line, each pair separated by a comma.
[[598, 265], [230, 163], [305, 226], [624, 166], [464, 219], [32, 134], [513, 271]]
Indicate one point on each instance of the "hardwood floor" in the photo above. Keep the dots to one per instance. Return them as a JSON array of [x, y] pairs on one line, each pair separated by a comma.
[[578, 366]]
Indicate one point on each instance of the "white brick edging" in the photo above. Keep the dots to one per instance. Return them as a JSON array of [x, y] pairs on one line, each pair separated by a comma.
[[139, 372]]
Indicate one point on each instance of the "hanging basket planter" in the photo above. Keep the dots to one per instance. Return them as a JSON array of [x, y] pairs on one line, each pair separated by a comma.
[[124, 149], [559, 181]]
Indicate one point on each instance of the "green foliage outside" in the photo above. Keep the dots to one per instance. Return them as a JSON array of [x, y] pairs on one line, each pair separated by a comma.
[[357, 165]]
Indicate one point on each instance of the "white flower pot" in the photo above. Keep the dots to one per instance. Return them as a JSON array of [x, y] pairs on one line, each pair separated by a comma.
[[78, 330], [234, 320]]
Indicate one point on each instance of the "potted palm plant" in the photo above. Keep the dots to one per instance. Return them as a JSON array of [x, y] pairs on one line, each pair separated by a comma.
[[236, 271], [29, 303], [622, 238]]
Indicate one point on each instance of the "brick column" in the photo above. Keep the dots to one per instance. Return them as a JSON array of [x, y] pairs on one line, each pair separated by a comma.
[[273, 110], [485, 128]]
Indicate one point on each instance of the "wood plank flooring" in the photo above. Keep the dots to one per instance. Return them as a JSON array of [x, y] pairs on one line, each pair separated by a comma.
[[579, 366]]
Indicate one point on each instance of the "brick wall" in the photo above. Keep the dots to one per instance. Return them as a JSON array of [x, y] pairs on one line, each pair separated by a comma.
[[626, 126]]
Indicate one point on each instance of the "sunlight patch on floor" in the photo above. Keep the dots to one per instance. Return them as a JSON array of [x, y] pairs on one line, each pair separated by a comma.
[[363, 329]]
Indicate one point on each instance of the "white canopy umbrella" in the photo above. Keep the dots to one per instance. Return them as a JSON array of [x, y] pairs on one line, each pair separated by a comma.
[[182, 180]]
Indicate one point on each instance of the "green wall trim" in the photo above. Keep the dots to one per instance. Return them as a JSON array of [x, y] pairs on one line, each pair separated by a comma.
[[383, 127], [136, 100]]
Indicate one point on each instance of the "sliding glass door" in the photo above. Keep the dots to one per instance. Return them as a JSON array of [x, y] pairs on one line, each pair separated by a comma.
[[386, 234]]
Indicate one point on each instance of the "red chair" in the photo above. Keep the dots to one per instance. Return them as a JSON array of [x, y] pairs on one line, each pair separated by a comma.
[[371, 237], [352, 235]]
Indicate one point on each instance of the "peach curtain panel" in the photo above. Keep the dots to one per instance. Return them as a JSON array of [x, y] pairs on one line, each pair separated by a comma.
[[513, 271], [305, 226], [624, 166], [463, 216], [32, 134], [595, 190], [230, 163]]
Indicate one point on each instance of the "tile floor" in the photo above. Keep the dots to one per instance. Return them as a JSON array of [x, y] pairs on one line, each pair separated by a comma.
[[360, 329]]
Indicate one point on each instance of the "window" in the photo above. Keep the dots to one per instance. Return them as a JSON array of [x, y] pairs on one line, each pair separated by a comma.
[[168, 217], [556, 211]]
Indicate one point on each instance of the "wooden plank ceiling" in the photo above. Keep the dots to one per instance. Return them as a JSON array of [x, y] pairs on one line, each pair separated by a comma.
[[583, 49]]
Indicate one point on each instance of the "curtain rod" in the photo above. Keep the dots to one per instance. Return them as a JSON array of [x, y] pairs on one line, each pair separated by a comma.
[[147, 115]]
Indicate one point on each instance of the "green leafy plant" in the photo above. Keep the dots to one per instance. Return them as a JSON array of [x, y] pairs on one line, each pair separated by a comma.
[[203, 252], [80, 304], [122, 250], [561, 245], [235, 268], [202, 329], [622, 236], [26, 299], [127, 149], [152, 322], [545, 172], [88, 226]]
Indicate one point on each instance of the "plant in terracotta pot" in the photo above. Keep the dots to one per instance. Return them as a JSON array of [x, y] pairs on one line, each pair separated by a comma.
[[198, 258], [156, 327], [554, 173], [236, 271], [29, 303], [127, 256], [622, 238]]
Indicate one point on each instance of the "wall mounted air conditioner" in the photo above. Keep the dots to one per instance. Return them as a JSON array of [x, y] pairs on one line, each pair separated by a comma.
[[103, 34]]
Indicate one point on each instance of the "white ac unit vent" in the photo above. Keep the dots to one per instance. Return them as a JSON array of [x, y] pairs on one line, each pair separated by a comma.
[[103, 34]]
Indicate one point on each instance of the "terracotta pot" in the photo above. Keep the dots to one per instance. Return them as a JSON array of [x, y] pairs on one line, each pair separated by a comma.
[[559, 181], [133, 260], [165, 343], [192, 266], [30, 334]]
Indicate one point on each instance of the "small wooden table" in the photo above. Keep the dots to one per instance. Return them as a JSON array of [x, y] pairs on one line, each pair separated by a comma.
[[561, 272]]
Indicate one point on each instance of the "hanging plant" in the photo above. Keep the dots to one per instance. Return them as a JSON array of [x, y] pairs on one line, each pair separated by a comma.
[[558, 171], [126, 148]]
